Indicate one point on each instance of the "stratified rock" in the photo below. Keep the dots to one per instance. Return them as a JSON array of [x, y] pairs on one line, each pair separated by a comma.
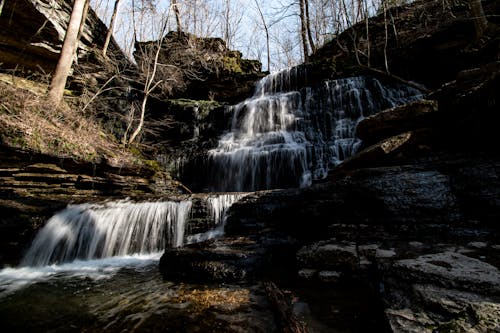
[[32, 33], [397, 120], [390, 149], [201, 68], [450, 269]]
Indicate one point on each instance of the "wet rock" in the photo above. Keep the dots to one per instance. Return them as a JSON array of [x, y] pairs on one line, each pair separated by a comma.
[[407, 321], [431, 308], [221, 260]]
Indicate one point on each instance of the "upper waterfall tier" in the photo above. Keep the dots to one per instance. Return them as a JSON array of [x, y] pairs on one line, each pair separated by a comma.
[[287, 137]]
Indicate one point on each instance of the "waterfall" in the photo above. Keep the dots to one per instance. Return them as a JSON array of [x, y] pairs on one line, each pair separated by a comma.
[[218, 206], [90, 231], [285, 136]]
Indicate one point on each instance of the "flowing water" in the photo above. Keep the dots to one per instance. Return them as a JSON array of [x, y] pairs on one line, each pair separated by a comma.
[[93, 267], [97, 240], [285, 136]]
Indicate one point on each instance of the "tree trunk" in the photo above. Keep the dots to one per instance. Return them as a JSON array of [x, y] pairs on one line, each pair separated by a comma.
[[111, 28], [308, 27], [303, 30], [477, 13], [2, 2], [177, 16], [267, 35], [56, 88], [227, 26]]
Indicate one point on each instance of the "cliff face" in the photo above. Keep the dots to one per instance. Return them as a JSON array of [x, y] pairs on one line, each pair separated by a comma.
[[414, 214], [199, 68], [427, 42], [33, 31]]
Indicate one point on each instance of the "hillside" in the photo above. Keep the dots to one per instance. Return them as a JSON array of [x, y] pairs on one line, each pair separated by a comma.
[[358, 191]]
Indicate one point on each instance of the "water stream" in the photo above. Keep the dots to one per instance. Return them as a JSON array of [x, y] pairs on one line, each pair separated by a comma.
[[93, 267], [97, 240], [285, 136]]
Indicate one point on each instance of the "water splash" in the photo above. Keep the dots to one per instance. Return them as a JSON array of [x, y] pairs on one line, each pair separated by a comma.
[[284, 136], [91, 231]]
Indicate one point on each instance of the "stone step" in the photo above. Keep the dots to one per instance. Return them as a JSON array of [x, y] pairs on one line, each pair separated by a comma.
[[47, 178]]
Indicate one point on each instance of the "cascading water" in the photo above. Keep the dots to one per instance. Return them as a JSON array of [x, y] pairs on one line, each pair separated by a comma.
[[91, 231], [218, 206], [96, 240], [284, 136]]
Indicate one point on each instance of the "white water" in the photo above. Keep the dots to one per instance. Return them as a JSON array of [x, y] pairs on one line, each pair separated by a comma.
[[286, 137], [218, 206], [12, 279], [92, 231], [97, 240]]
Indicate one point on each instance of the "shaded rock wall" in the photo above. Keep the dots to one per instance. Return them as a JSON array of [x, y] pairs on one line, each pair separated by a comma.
[[419, 47], [34, 186], [199, 68], [33, 31]]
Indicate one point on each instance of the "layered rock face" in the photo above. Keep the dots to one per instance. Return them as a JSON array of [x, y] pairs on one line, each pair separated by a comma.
[[199, 68], [34, 186], [413, 215], [33, 31]]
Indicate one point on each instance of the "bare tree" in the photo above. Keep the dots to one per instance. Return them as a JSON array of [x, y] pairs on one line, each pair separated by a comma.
[[267, 35], [175, 6], [56, 87], [2, 3], [477, 13], [110, 29], [386, 41], [151, 68], [308, 26], [303, 30]]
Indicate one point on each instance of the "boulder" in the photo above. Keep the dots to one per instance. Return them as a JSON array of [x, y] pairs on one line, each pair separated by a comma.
[[387, 123], [451, 270]]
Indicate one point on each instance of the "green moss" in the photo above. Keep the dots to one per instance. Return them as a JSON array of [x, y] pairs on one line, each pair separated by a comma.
[[154, 165], [204, 106], [232, 64]]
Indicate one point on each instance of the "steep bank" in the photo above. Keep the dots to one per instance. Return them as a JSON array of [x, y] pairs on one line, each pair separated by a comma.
[[412, 217]]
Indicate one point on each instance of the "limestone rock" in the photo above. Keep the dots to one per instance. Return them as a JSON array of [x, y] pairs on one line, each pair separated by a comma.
[[387, 150], [451, 269], [397, 120], [328, 255], [32, 32]]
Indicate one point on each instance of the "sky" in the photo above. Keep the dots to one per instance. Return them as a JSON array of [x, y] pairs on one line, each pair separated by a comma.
[[207, 18]]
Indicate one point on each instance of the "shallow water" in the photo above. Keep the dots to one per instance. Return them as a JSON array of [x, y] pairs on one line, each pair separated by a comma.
[[101, 296]]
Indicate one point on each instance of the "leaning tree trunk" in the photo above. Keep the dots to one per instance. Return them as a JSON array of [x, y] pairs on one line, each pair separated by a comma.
[[177, 16], [308, 26], [303, 30], [477, 13], [111, 28], [56, 88]]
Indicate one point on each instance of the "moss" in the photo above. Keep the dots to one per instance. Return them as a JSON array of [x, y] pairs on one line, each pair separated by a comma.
[[154, 165], [204, 106], [232, 64]]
